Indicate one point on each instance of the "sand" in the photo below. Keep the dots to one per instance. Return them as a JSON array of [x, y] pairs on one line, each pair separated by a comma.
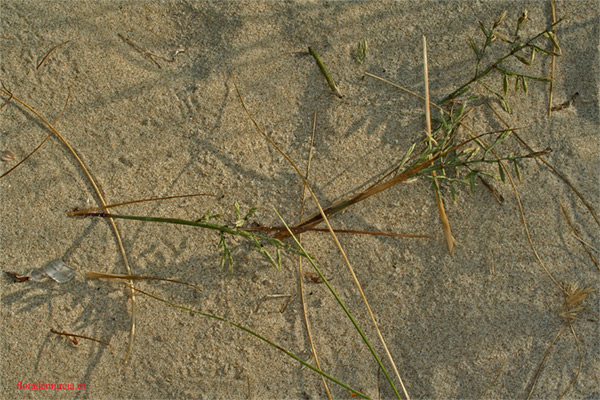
[[475, 324]]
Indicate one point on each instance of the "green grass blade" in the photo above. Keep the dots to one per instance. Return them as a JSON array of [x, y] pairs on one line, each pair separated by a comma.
[[341, 303], [325, 72], [258, 336]]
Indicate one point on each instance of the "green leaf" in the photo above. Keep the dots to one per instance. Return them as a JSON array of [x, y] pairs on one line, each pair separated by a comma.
[[238, 214], [472, 182], [522, 59], [517, 171], [406, 156], [524, 82], [250, 213], [226, 258], [453, 191], [554, 42], [485, 32], [505, 85], [501, 170], [474, 47], [499, 95]]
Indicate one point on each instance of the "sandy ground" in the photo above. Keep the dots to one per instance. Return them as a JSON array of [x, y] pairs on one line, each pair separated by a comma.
[[464, 326]]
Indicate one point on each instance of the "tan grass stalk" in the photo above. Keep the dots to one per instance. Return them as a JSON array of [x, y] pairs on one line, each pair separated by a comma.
[[539, 370], [94, 209], [450, 240], [300, 272]]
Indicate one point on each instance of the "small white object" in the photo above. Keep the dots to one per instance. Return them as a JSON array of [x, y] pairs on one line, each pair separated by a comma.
[[59, 271]]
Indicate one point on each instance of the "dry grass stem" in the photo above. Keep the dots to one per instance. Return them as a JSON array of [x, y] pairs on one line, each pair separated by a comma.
[[93, 209], [50, 52], [493, 382], [578, 236], [450, 240], [72, 335], [300, 267], [101, 275], [540, 367]]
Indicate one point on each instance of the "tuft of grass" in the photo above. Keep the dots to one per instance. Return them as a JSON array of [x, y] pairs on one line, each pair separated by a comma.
[[360, 54]]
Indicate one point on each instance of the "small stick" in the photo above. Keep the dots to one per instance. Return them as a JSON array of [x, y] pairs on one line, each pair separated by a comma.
[[144, 52], [100, 275], [499, 198], [88, 210], [450, 240], [562, 207], [69, 335], [7, 101], [566, 104], [325, 73], [285, 305], [47, 54]]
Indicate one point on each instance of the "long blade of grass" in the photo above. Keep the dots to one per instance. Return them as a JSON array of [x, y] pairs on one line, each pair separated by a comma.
[[256, 335], [580, 364], [101, 198], [338, 244], [539, 370], [323, 69]]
